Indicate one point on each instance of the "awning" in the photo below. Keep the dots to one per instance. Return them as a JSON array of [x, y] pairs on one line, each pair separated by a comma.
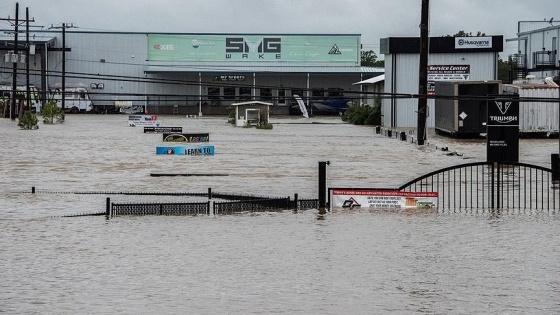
[[259, 68], [373, 80]]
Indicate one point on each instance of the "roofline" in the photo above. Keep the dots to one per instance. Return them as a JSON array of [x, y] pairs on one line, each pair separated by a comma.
[[68, 31]]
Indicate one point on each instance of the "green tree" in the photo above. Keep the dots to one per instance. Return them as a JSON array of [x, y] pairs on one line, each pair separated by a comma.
[[503, 71], [52, 114], [465, 34], [369, 59]]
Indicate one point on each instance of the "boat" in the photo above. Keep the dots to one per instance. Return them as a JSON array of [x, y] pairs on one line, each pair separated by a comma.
[[331, 105]]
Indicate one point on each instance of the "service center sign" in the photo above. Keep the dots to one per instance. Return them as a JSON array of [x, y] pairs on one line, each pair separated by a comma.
[[478, 42], [502, 139], [382, 199]]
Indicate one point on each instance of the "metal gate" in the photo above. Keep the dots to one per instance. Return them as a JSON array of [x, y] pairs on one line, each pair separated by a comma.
[[487, 185]]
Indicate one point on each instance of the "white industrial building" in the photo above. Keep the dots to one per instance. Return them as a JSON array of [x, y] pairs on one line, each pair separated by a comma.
[[183, 73], [538, 45], [450, 58]]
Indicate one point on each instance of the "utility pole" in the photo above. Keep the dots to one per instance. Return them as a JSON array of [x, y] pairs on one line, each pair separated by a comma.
[[28, 93], [14, 69], [64, 27], [14, 57], [423, 73]]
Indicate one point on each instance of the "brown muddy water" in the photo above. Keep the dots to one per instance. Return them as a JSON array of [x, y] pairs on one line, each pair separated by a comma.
[[342, 262]]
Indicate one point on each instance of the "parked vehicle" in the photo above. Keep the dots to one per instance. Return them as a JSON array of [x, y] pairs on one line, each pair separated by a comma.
[[21, 95], [76, 99]]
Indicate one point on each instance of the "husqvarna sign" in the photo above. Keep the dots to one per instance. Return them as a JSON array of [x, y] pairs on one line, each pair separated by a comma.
[[478, 42]]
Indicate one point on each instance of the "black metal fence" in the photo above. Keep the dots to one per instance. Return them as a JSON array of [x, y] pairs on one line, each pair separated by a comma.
[[254, 204], [257, 205], [487, 185], [139, 209]]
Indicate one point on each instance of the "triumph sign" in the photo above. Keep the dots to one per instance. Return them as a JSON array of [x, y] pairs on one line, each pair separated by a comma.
[[502, 140]]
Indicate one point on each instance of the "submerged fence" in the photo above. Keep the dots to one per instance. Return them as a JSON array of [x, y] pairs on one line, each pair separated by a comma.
[[198, 208]]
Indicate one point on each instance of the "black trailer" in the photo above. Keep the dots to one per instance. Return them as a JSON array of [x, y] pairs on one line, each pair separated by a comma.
[[461, 106]]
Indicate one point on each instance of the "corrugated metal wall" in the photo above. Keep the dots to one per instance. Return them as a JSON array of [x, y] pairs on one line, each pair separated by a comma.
[[122, 56], [401, 76], [536, 116]]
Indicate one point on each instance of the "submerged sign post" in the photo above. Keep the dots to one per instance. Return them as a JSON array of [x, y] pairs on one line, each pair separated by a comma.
[[502, 138]]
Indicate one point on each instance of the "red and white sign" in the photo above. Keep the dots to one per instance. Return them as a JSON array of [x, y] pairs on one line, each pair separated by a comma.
[[382, 199]]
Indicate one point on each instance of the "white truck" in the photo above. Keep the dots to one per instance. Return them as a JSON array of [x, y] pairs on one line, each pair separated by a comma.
[[76, 99]]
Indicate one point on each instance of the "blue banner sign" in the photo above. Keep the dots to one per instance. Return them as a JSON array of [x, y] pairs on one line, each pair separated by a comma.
[[186, 150], [186, 137]]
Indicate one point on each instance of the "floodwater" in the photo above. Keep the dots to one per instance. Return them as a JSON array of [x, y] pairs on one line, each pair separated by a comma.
[[341, 262]]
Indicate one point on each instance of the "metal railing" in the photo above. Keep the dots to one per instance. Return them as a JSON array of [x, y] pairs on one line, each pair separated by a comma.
[[487, 185]]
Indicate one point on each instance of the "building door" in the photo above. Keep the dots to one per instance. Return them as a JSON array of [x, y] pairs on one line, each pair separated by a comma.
[[281, 97]]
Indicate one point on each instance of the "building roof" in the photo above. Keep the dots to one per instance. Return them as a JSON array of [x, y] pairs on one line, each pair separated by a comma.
[[7, 40]]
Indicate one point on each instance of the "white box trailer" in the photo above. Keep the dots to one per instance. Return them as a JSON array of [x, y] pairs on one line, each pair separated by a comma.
[[76, 98], [536, 116]]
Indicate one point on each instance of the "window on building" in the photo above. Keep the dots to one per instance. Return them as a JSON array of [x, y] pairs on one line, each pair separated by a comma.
[[229, 93], [282, 96], [266, 94], [335, 92], [245, 93], [318, 93], [214, 93]]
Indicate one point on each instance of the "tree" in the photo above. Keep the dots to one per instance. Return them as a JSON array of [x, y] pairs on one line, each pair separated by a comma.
[[465, 34], [52, 113], [503, 71], [369, 59]]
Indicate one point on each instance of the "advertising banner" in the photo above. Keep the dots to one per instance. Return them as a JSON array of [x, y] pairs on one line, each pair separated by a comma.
[[186, 137], [262, 47], [502, 138], [162, 129], [446, 73], [186, 150], [382, 199]]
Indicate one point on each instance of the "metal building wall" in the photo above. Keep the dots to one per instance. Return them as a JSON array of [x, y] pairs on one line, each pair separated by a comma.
[[402, 74], [111, 54]]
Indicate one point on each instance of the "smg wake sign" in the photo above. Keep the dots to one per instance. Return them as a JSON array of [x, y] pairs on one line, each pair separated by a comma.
[[265, 48], [502, 140]]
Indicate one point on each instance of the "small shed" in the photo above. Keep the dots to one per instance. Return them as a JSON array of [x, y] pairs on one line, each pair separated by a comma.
[[250, 113]]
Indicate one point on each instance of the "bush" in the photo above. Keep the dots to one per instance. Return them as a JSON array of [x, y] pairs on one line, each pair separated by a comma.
[[363, 114], [28, 121]]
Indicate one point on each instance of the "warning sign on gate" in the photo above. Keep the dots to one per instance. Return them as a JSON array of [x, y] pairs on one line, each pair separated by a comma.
[[382, 199]]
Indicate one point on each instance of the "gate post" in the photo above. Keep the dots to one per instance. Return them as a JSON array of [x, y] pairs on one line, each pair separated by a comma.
[[108, 207], [492, 185], [323, 184], [555, 166]]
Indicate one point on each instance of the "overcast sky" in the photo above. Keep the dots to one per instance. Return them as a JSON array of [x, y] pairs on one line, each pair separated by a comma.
[[373, 19]]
